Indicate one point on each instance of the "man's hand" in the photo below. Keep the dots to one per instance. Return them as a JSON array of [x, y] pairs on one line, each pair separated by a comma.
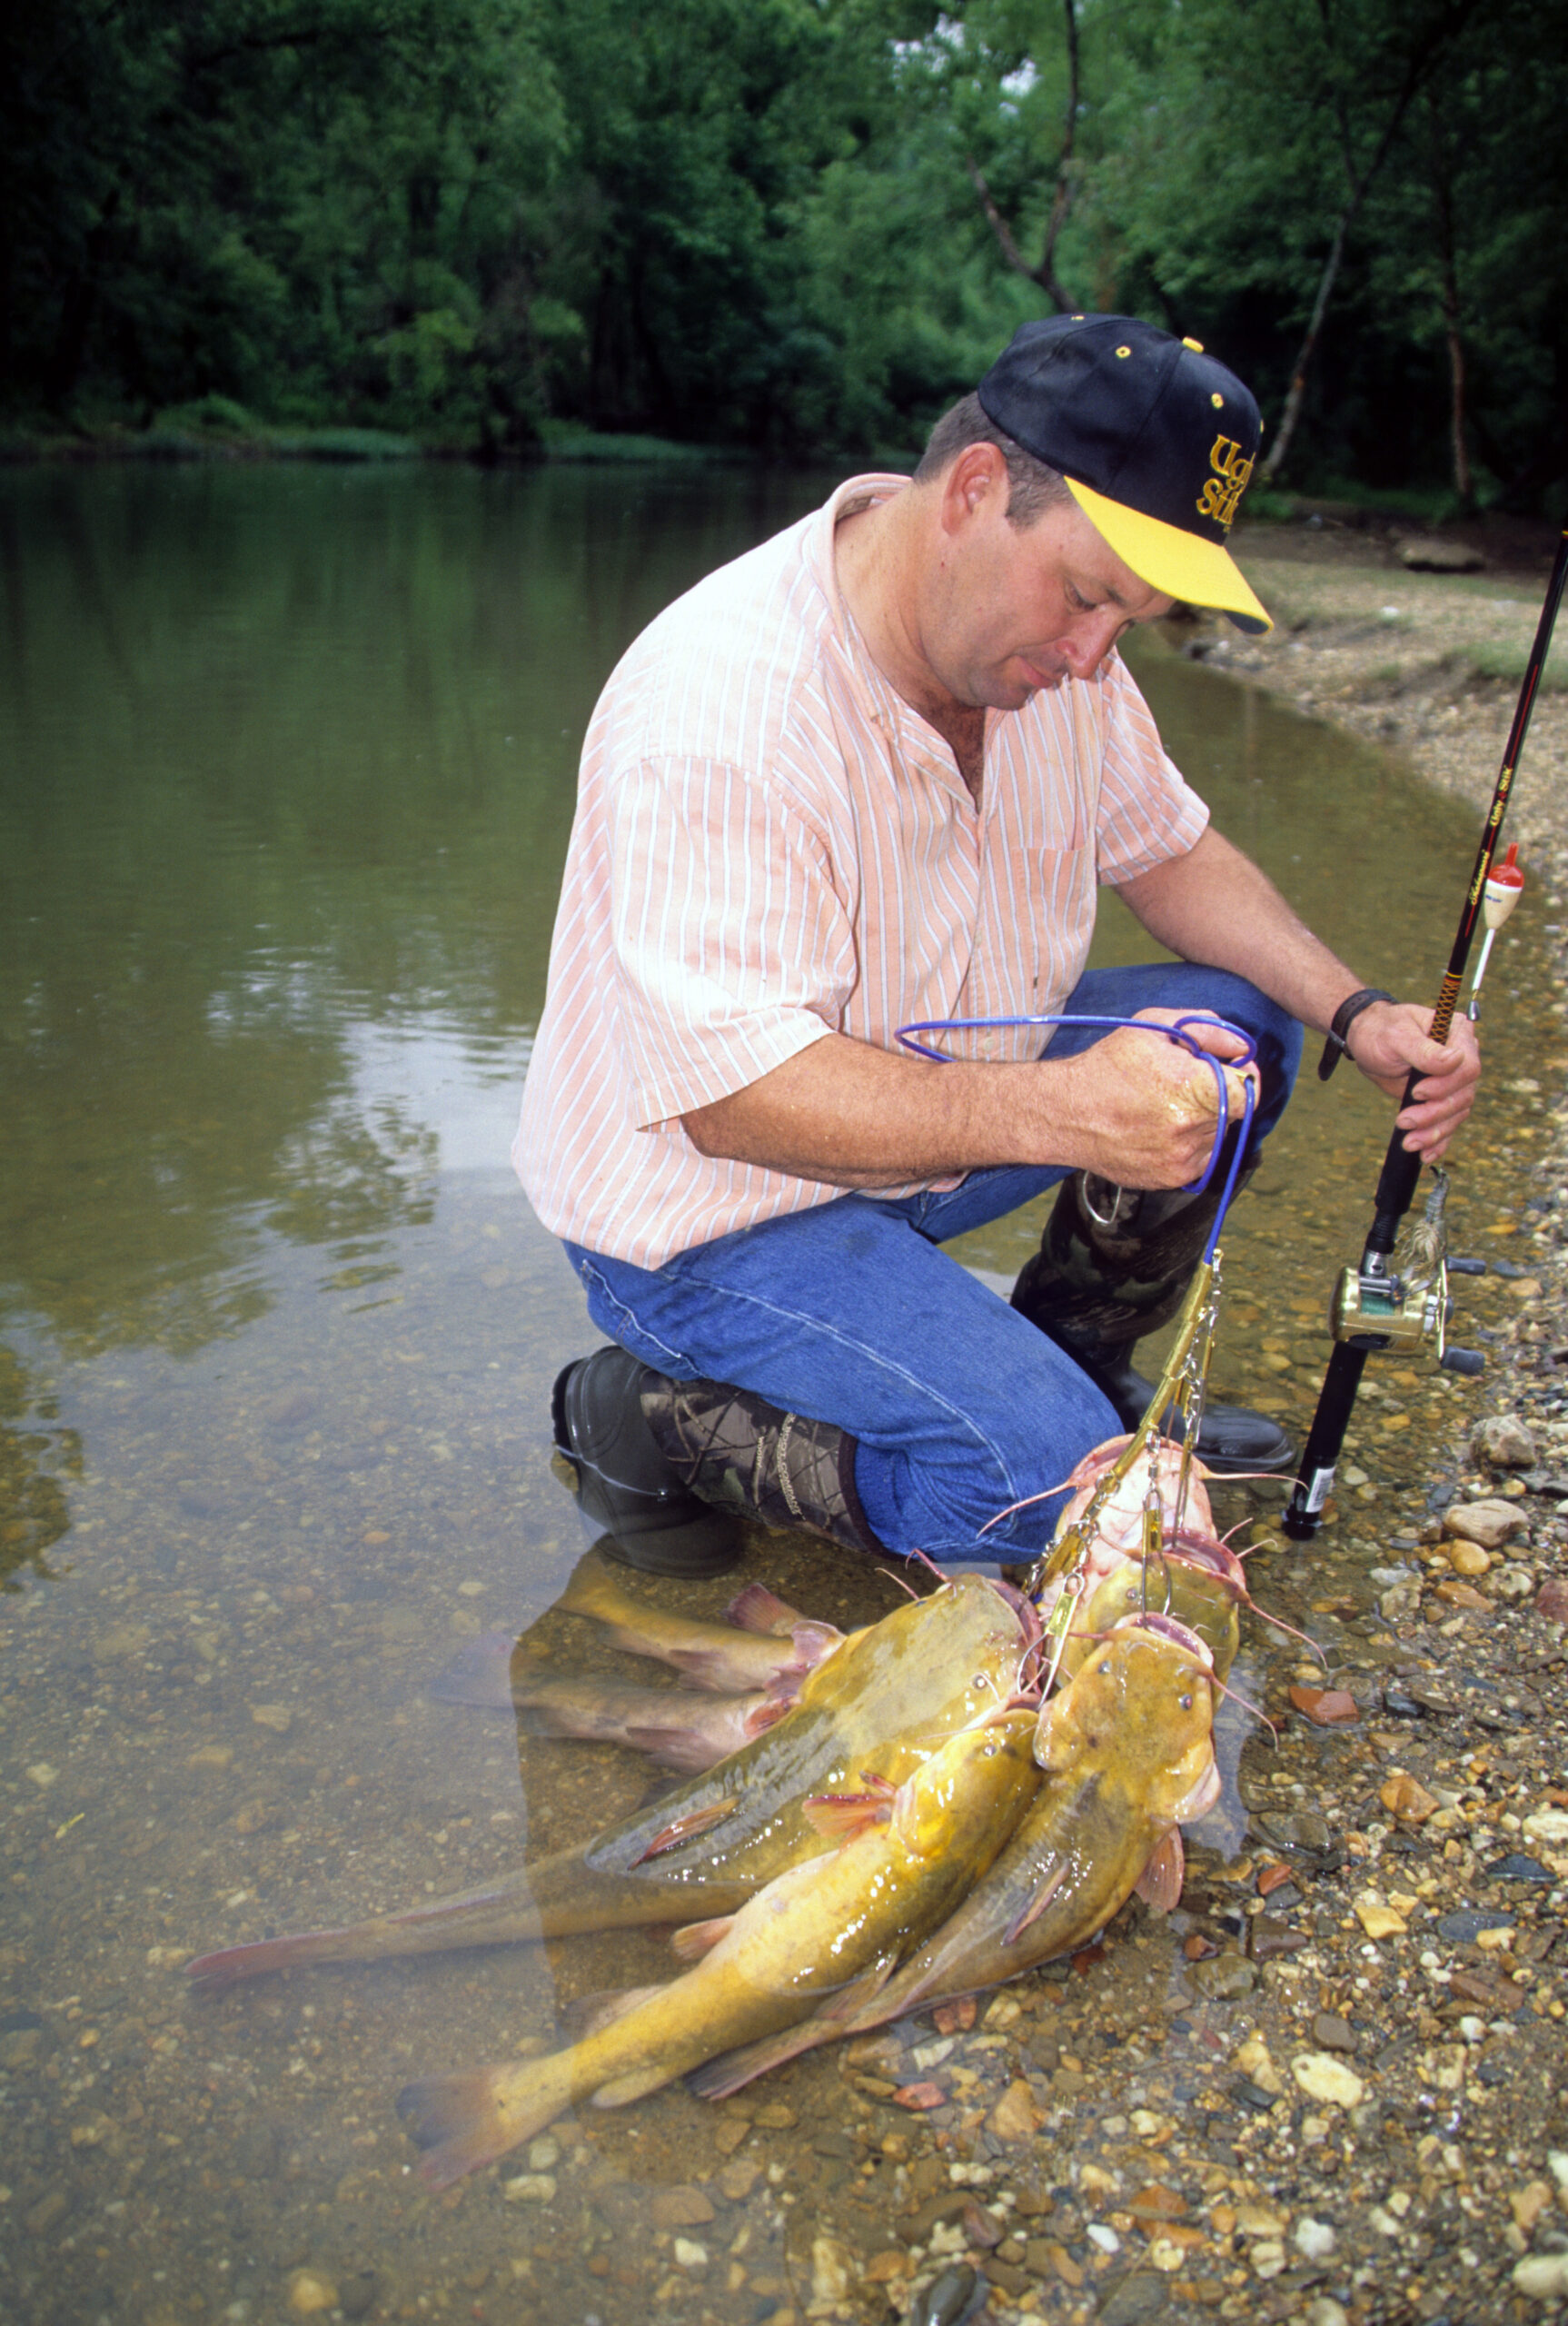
[[1390, 1038], [1143, 1108]]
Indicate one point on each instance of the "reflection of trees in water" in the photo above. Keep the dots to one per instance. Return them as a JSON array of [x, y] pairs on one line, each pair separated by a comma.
[[36, 1455]]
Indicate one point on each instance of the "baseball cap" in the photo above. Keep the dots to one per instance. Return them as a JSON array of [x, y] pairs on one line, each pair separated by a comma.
[[1155, 439]]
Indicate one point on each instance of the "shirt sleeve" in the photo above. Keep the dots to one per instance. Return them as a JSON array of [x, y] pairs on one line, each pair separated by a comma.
[[1147, 811], [732, 947]]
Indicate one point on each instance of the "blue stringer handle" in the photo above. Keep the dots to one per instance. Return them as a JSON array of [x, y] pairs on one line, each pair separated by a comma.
[[1174, 1032]]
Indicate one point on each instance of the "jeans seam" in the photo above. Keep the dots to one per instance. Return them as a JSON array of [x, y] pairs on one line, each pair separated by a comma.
[[682, 1364], [876, 1356]]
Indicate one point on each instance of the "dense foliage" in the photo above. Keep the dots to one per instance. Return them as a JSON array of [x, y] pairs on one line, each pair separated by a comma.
[[797, 225]]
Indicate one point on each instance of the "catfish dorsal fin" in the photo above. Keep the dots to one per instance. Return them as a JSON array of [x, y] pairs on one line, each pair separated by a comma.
[[1160, 1884], [686, 1828], [839, 1816], [692, 1942]]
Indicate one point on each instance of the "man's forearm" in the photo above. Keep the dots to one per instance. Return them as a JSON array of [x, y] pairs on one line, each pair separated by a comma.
[[854, 1116]]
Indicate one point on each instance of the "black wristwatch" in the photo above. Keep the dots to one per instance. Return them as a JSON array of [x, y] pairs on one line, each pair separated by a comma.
[[1338, 1044]]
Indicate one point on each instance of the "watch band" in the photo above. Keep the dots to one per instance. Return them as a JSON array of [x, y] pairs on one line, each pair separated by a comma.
[[1337, 1046]]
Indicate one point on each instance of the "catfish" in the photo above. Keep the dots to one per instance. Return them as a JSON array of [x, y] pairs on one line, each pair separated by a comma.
[[884, 1702], [1127, 1751], [832, 1924]]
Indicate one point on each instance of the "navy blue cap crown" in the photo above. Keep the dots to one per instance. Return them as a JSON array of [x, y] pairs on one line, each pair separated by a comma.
[[1144, 419]]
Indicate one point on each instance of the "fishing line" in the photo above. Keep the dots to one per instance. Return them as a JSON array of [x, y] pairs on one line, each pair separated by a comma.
[[1176, 1031]]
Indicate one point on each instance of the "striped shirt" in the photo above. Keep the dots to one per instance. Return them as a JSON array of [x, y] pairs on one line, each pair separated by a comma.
[[769, 845]]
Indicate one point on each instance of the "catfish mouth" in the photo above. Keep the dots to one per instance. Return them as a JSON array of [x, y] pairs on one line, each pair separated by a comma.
[[1192, 1548], [1168, 1629]]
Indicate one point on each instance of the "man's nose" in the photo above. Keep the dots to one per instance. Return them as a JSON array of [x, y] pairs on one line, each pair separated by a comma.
[[1084, 647]]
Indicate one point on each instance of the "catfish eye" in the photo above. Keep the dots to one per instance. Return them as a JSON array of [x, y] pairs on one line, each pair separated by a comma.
[[1106, 1666], [1185, 1703]]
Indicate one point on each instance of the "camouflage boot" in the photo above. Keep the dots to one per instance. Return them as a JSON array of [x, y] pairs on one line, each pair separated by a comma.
[[669, 1468], [1115, 1264]]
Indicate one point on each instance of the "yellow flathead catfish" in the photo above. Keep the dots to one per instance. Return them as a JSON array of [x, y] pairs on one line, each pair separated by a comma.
[[830, 1927], [883, 1702], [1128, 1752]]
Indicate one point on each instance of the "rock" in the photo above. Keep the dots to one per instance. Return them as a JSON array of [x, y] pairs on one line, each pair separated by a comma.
[[951, 2299], [689, 2254], [775, 2118], [1424, 554], [310, 2290], [1224, 1978], [542, 2154], [1014, 2116], [680, 2209], [1252, 2061], [1379, 1920], [277, 1717], [1401, 1795], [1325, 2312], [1490, 1524], [1327, 1707], [1551, 1600], [737, 2179], [1544, 2277], [1303, 1829], [1501, 1442], [1141, 2295], [1464, 1925], [1547, 1826], [1469, 1559], [1516, 1867], [1332, 2034], [1457, 1592], [1323, 2077], [1314, 2239], [530, 2189]]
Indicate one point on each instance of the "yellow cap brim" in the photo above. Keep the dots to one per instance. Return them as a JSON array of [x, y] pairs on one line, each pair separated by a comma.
[[1180, 564]]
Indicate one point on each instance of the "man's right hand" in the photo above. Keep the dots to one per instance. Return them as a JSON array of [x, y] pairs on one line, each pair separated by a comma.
[[1140, 1109]]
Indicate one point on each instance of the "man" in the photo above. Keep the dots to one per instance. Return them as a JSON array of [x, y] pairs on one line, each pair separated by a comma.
[[872, 774]]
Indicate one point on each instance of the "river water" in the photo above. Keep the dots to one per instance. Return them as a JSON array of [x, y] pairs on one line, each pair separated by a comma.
[[288, 772]]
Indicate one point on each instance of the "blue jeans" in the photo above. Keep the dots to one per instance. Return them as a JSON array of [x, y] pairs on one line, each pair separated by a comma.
[[850, 1313]]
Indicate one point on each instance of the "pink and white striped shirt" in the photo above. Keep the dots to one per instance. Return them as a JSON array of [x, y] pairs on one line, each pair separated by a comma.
[[769, 845]]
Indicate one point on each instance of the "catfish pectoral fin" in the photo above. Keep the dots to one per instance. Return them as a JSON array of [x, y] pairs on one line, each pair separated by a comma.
[[1160, 1884], [682, 1829], [1036, 1904]]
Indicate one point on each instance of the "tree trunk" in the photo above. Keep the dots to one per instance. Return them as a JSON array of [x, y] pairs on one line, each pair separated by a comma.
[[1415, 72], [1045, 272]]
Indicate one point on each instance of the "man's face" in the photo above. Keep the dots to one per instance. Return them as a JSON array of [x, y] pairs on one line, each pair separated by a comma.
[[1014, 609]]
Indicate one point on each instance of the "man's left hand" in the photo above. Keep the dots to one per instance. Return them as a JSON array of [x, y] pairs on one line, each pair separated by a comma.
[[1389, 1039]]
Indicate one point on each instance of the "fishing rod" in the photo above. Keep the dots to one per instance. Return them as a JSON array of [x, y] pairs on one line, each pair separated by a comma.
[[1400, 1299]]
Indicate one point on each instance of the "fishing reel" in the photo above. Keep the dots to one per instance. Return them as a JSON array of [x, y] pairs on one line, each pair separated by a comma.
[[1380, 1312]]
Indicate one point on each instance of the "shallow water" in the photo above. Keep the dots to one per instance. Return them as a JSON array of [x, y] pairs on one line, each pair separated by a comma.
[[289, 765]]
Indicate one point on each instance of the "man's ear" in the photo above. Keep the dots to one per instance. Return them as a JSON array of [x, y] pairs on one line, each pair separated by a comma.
[[976, 480]]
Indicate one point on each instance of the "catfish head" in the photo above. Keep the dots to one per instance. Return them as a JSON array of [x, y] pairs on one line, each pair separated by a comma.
[[1139, 1712]]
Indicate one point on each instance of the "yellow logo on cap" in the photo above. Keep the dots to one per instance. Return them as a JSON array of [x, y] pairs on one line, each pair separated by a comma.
[[1225, 488]]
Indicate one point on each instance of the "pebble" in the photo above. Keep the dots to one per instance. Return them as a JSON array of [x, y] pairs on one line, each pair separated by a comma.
[[1314, 2239], [530, 2189], [1379, 1920], [1464, 1925], [1547, 1826], [1325, 2312], [277, 1717], [1323, 2077], [310, 2290], [1330, 2034], [1544, 2277], [1133, 2298], [689, 2254], [1503, 1442], [1489, 1524]]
